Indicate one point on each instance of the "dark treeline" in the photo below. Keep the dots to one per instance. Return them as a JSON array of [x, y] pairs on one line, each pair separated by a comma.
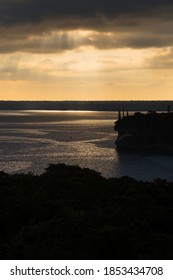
[[86, 105], [73, 213], [150, 132]]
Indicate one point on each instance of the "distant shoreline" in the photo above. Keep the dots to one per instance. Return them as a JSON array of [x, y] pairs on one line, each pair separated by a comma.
[[87, 105]]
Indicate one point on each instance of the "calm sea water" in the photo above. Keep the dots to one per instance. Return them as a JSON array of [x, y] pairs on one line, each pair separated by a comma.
[[30, 140]]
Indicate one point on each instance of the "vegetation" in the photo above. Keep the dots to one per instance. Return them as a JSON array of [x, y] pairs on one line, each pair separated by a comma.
[[74, 213], [146, 132]]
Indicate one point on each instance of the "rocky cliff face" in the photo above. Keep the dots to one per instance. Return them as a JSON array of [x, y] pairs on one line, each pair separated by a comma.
[[146, 132]]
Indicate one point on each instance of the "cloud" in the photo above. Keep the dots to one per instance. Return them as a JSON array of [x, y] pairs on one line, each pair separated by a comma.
[[34, 11], [50, 26], [162, 60]]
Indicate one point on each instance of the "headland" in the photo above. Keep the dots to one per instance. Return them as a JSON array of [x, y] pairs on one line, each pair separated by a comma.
[[151, 132]]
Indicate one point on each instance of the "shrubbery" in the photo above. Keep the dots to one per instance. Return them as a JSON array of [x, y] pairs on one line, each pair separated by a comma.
[[74, 213]]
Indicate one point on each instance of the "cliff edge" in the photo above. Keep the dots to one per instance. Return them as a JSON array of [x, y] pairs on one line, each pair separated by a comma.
[[150, 131]]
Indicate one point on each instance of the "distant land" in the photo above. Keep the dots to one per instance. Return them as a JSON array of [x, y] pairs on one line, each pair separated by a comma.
[[87, 105]]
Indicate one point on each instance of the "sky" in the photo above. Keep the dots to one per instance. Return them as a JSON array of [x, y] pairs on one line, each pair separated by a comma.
[[86, 50]]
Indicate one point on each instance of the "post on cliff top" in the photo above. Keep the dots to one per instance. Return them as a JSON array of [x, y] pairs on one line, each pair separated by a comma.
[[168, 109], [119, 114], [123, 112]]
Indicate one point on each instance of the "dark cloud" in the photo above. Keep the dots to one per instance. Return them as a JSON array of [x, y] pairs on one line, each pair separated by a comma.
[[34, 11], [25, 25]]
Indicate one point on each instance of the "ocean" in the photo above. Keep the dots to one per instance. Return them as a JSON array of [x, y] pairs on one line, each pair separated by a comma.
[[32, 139]]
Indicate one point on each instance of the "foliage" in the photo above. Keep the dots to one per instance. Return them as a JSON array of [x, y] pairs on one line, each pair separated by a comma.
[[74, 213]]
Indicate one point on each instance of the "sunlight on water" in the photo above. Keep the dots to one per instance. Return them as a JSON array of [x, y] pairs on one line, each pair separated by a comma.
[[30, 140]]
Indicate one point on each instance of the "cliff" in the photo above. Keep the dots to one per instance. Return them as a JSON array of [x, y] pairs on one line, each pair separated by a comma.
[[146, 132]]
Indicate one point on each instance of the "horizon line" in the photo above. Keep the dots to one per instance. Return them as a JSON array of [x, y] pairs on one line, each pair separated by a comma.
[[131, 100]]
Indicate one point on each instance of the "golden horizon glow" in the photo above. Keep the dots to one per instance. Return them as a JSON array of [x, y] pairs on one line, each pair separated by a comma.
[[85, 72]]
